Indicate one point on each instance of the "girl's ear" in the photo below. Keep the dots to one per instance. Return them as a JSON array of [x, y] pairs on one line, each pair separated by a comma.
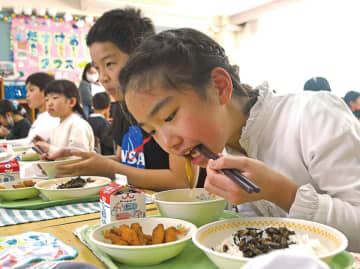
[[73, 102], [221, 80]]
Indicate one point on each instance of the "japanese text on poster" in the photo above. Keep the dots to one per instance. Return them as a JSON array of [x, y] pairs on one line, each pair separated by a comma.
[[45, 45]]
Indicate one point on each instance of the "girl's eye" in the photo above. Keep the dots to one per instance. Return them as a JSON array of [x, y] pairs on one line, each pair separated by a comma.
[[171, 117], [110, 64]]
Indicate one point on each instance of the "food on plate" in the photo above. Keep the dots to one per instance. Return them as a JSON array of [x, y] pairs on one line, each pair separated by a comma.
[[251, 242], [77, 182], [134, 236], [30, 155], [170, 234], [158, 234], [22, 184]]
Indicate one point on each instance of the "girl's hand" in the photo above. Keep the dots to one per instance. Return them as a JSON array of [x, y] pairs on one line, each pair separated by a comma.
[[275, 187], [44, 145], [38, 138], [92, 164], [4, 131]]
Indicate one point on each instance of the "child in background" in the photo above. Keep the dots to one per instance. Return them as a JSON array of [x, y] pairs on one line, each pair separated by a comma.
[[88, 87], [301, 149], [99, 123], [13, 125], [111, 39], [63, 101], [35, 97]]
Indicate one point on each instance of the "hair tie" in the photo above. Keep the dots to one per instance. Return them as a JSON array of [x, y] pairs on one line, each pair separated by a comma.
[[15, 104]]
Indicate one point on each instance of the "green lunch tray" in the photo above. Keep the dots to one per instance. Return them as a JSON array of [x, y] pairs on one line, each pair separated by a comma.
[[38, 203], [193, 257]]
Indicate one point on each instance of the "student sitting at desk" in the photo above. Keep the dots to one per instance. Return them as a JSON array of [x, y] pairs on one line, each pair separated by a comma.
[[35, 97], [13, 124]]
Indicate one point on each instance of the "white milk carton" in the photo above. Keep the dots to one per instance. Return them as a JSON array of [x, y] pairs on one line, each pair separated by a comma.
[[119, 202], [9, 167]]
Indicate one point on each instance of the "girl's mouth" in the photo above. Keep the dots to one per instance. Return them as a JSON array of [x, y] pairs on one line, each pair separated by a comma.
[[195, 156]]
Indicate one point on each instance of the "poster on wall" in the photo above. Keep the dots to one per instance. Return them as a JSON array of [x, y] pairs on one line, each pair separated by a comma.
[[45, 45]]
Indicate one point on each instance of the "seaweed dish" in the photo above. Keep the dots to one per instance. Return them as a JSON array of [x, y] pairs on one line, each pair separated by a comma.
[[77, 182]]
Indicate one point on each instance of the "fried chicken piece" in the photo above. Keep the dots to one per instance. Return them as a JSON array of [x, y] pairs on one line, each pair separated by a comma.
[[138, 229], [2, 188], [28, 183], [170, 234], [18, 186], [117, 240], [129, 235], [158, 234], [148, 239]]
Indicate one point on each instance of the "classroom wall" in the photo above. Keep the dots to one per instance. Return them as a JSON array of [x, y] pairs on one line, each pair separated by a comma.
[[5, 53], [290, 45]]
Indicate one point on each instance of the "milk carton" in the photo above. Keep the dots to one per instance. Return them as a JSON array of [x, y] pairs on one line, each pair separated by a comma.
[[9, 171], [121, 202]]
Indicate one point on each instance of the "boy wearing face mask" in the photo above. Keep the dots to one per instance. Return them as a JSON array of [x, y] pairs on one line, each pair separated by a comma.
[[13, 124], [89, 87]]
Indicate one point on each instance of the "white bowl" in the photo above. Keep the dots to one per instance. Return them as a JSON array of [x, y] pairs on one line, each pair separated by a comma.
[[50, 167], [11, 194], [197, 205], [48, 188], [210, 236], [149, 254]]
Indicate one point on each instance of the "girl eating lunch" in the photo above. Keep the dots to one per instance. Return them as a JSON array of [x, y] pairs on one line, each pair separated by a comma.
[[63, 101], [300, 149]]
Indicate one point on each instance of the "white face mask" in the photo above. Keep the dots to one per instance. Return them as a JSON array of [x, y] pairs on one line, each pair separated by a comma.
[[10, 121], [92, 77]]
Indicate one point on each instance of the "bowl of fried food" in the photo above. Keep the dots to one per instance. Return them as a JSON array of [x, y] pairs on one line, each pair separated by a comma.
[[195, 205], [143, 241], [233, 242], [17, 190], [71, 187]]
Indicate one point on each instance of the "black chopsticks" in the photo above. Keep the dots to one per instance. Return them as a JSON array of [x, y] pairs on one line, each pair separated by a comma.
[[234, 174], [39, 150]]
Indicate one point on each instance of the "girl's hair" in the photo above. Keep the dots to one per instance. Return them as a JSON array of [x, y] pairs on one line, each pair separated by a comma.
[[317, 84], [178, 58], [123, 27], [351, 96], [40, 79], [86, 69], [68, 89], [7, 106]]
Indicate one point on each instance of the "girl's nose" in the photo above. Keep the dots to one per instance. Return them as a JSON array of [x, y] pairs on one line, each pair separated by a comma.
[[171, 142]]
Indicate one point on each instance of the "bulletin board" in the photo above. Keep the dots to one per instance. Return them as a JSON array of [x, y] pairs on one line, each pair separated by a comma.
[[45, 45]]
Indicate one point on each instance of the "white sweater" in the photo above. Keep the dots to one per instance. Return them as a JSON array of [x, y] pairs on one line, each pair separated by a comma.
[[313, 139], [74, 132], [42, 126]]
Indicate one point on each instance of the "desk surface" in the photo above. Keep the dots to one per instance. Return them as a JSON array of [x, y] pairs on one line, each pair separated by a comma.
[[62, 228]]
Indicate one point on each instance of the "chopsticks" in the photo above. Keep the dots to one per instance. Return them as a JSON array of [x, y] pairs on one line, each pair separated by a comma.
[[39, 150], [234, 174]]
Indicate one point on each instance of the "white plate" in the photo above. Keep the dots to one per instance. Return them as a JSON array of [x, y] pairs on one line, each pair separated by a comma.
[[49, 191], [213, 234], [50, 167]]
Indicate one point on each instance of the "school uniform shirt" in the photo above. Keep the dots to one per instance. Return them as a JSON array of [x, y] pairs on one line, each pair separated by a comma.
[[313, 139], [42, 126], [138, 149], [74, 132], [19, 130]]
